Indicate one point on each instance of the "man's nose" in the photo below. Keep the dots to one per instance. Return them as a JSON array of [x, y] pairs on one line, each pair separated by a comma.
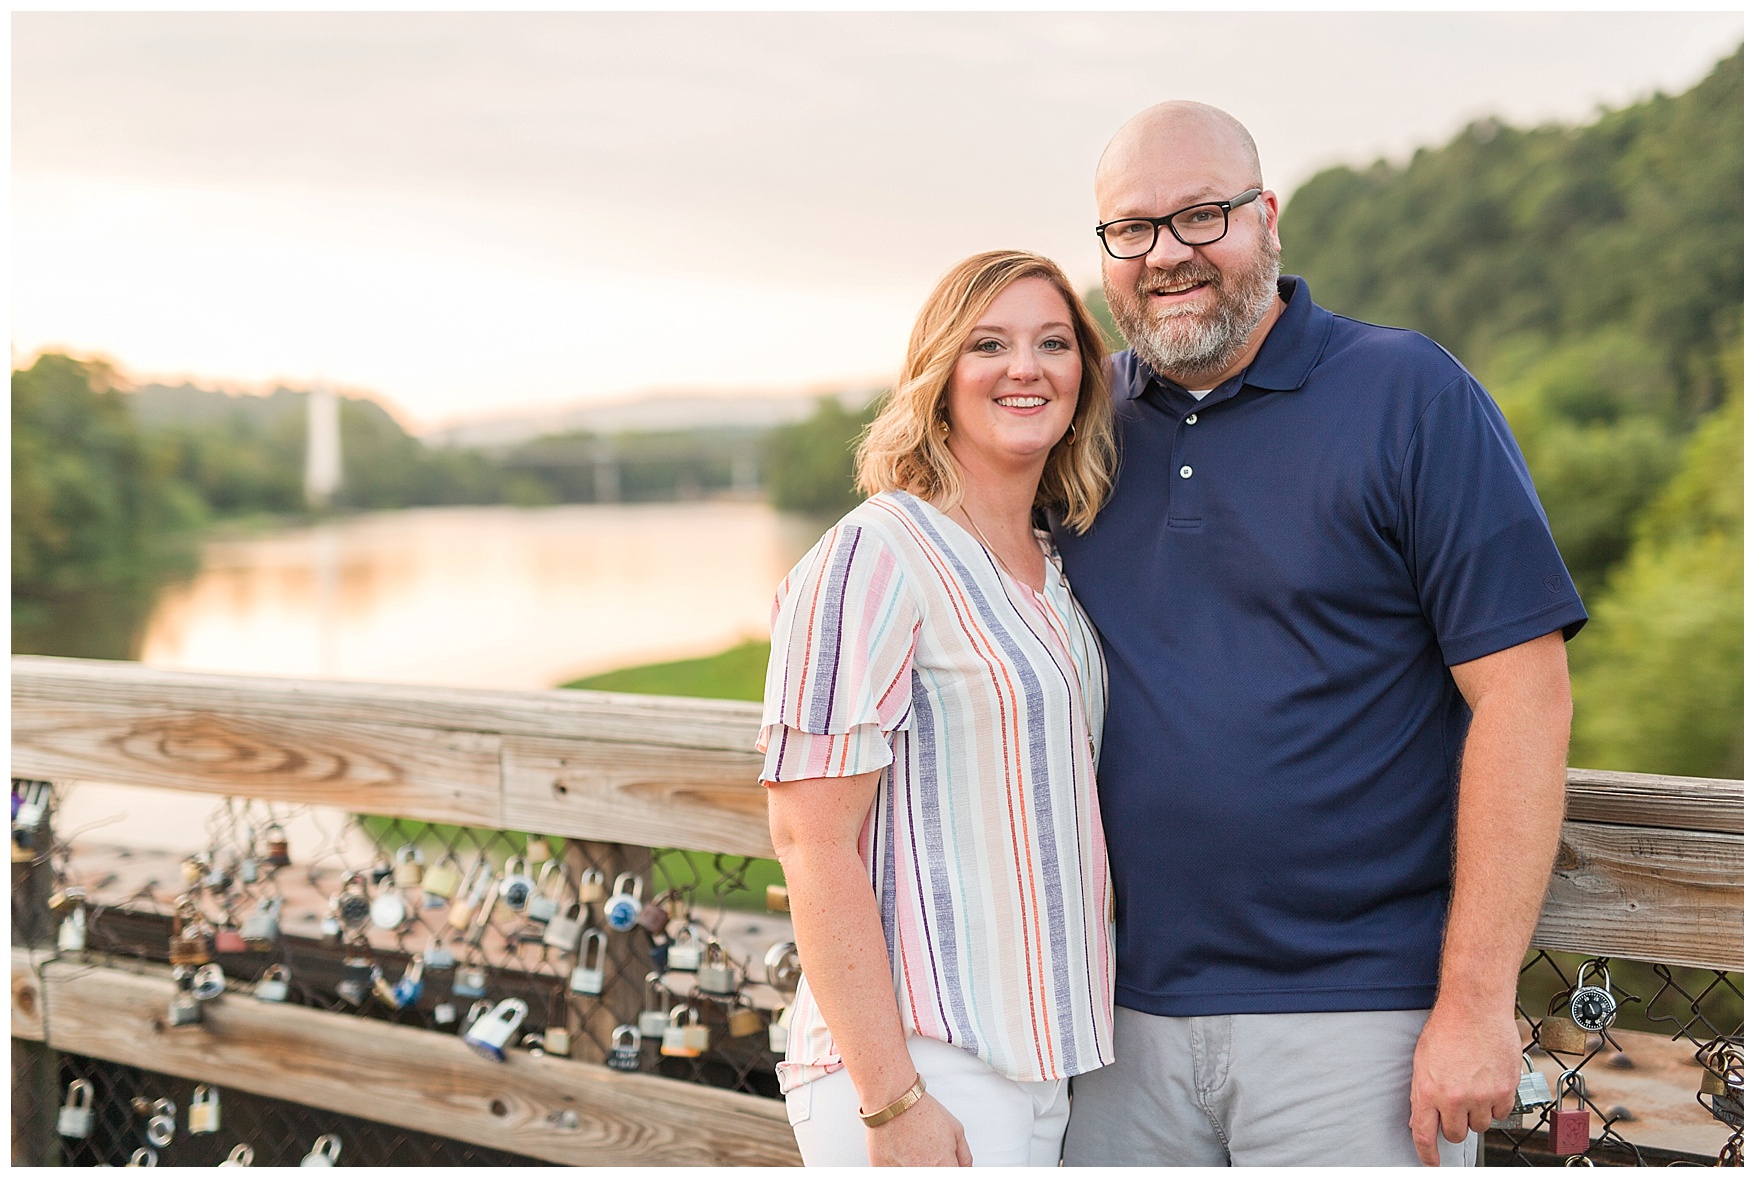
[[1167, 252]]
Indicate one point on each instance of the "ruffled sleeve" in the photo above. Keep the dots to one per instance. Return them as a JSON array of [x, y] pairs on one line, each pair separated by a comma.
[[841, 668]]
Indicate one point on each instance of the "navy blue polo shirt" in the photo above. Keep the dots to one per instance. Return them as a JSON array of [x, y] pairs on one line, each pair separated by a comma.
[[1282, 579]]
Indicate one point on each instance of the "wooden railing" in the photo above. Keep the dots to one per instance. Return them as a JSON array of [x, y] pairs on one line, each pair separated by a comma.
[[1650, 868]]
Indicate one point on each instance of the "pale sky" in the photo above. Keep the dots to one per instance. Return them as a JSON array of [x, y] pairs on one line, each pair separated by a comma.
[[466, 213]]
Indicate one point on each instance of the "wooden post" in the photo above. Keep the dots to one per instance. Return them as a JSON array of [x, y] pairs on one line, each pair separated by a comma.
[[626, 964]]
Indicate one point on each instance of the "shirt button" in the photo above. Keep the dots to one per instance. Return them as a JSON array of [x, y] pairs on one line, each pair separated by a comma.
[[1192, 418], [1186, 472]]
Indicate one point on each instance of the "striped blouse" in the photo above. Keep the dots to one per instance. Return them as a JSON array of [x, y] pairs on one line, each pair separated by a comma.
[[900, 644]]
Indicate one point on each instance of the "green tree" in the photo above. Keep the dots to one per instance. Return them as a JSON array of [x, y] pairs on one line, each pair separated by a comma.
[[810, 464]]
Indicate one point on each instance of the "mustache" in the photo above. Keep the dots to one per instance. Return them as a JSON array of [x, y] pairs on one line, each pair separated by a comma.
[[1193, 270]]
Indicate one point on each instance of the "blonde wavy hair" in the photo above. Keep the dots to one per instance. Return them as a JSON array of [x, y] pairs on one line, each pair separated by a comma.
[[902, 450]]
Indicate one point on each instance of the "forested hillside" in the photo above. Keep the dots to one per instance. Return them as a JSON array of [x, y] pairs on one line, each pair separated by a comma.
[[1593, 278]]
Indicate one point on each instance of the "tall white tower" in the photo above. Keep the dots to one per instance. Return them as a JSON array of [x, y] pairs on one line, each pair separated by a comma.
[[323, 446]]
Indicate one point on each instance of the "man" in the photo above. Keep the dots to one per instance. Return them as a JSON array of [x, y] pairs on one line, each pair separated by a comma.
[[1334, 765]]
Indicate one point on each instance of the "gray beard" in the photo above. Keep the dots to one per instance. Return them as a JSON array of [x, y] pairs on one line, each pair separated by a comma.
[[1195, 345]]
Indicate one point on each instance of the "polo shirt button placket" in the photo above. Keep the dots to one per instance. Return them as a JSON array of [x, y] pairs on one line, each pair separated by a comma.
[[1191, 418], [1186, 472]]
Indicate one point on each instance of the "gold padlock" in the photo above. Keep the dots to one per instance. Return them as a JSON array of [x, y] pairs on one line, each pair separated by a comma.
[[743, 1018], [1558, 1034], [778, 899]]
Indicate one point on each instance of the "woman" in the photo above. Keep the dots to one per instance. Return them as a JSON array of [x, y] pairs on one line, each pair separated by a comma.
[[934, 702]]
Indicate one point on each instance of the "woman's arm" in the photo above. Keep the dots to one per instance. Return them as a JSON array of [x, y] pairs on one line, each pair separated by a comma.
[[815, 826]]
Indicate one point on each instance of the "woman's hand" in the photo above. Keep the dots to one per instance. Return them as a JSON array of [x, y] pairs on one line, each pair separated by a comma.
[[925, 1135]]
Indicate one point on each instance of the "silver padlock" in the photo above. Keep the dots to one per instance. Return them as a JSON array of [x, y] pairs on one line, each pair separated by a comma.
[[437, 955], [470, 981], [75, 1116], [250, 871], [389, 910], [241, 1155], [783, 966], [410, 866], [477, 1012], [274, 984], [203, 1111], [564, 928], [185, 1009], [161, 1127], [208, 982], [70, 938], [715, 975], [780, 1030], [516, 885], [492, 1031], [654, 1017], [33, 804], [143, 1157], [624, 1049], [1532, 1088], [262, 927], [623, 907], [591, 890], [444, 1014], [588, 974], [551, 884], [1593, 1007], [324, 1151], [351, 906], [685, 950]]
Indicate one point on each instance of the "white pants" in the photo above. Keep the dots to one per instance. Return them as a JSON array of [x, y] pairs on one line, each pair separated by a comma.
[[1006, 1122]]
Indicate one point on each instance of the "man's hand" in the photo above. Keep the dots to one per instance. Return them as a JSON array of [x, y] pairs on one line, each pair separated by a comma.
[[925, 1135], [1466, 1069]]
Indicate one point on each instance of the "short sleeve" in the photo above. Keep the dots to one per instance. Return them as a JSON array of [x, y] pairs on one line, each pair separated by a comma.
[[840, 669], [1485, 565]]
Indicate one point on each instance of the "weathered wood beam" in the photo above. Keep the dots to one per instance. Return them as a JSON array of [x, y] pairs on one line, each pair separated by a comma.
[[410, 1077], [27, 997]]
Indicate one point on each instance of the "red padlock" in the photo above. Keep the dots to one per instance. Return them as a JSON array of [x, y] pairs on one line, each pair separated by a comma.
[[1569, 1129]]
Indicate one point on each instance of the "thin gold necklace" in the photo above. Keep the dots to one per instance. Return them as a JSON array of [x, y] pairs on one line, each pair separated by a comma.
[[994, 552]]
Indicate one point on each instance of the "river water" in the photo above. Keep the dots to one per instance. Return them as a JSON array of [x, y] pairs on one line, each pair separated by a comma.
[[502, 597]]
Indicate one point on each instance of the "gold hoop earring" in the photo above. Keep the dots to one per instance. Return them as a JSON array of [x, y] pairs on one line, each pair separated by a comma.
[[1072, 433]]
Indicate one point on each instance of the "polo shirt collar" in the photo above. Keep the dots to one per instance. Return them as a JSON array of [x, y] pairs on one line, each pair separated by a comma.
[[1292, 347]]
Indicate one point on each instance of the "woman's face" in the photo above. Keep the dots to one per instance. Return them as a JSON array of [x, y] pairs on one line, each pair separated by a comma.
[[1016, 384]]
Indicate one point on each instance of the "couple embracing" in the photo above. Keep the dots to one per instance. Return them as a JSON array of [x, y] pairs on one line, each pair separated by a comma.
[[1167, 759]]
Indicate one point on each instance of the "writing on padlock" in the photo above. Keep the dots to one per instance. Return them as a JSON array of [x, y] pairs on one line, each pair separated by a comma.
[[655, 1015], [325, 1151], [491, 1032], [1569, 1129], [241, 1155], [588, 974], [551, 883], [410, 866], [274, 984], [715, 975], [1593, 1006], [74, 1119], [622, 909], [203, 1111], [624, 1049]]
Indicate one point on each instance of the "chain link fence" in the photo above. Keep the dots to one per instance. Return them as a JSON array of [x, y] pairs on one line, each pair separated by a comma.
[[649, 960]]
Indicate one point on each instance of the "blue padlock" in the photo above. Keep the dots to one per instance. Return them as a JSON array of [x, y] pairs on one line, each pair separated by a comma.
[[494, 1030], [622, 909]]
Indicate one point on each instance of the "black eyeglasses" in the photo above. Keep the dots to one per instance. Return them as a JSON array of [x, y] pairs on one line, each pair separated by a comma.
[[1202, 224]]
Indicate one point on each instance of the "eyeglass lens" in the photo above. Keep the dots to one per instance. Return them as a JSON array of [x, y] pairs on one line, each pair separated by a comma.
[[1201, 225]]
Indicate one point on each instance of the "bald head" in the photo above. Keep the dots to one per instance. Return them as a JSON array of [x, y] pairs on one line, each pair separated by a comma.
[[1173, 140]]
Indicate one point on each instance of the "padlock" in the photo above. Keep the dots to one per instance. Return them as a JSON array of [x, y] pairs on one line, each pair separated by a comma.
[[192, 943], [351, 905], [203, 1111], [381, 872], [389, 910], [591, 886], [685, 950], [624, 1049], [715, 976], [557, 1041], [1532, 1088], [437, 954], [782, 966], [654, 918], [185, 1009], [622, 909], [64, 898], [778, 898], [262, 927], [274, 984], [780, 1030], [695, 1033], [325, 1151], [227, 939], [194, 869], [532, 1042], [444, 1014], [475, 888], [75, 1116], [588, 974], [492, 1031], [358, 977], [742, 1018], [676, 1039], [70, 937], [404, 990], [438, 884], [161, 1127], [1711, 1083], [28, 814], [654, 1017], [143, 1157], [538, 849], [1569, 1129], [217, 879], [470, 981], [241, 1155], [1593, 1007], [516, 886], [249, 871], [1558, 1034], [207, 982], [564, 928], [476, 1012], [275, 846], [551, 884], [410, 866]]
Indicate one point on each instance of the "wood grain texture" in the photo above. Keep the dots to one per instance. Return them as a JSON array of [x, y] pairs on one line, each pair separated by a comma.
[[415, 1078], [1643, 799], [1652, 895], [27, 998], [434, 774], [700, 799]]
